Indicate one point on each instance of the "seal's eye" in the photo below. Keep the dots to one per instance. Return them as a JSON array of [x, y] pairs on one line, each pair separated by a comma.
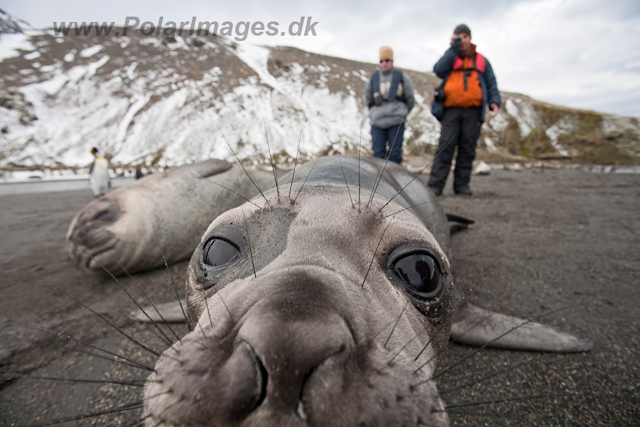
[[420, 275], [218, 252]]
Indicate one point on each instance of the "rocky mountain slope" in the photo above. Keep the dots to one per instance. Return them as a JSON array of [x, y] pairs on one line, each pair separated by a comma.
[[157, 100]]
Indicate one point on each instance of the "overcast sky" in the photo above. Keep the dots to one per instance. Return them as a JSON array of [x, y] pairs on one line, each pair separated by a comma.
[[578, 53]]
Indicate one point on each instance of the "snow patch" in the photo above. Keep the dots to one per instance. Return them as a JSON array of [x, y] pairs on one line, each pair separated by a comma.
[[491, 147], [555, 131], [523, 114], [33, 55], [128, 117], [11, 44], [90, 51], [256, 57], [48, 68]]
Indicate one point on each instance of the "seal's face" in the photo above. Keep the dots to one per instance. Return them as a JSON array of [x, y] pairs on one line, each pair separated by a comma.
[[300, 321], [91, 235], [113, 231]]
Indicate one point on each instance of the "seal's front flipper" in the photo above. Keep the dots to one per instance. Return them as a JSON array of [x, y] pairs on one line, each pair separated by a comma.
[[171, 312], [476, 326], [457, 222]]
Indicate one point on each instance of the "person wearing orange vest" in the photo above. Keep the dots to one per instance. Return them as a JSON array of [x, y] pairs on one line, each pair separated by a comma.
[[469, 88]]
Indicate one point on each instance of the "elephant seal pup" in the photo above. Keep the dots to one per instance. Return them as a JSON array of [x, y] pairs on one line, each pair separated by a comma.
[[316, 309], [117, 229]]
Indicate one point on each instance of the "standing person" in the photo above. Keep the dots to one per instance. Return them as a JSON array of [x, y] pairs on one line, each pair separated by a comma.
[[99, 174], [469, 86], [389, 96]]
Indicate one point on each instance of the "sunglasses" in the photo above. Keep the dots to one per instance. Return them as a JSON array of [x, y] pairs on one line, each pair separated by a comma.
[[385, 60]]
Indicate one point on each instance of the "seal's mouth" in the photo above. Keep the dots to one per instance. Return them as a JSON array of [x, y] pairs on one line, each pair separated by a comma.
[[88, 252], [295, 348]]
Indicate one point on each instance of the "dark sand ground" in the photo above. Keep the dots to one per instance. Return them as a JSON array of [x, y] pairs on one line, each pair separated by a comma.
[[562, 237]]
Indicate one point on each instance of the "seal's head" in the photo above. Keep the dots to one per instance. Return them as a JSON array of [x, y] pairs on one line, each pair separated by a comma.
[[108, 226], [309, 313], [156, 218]]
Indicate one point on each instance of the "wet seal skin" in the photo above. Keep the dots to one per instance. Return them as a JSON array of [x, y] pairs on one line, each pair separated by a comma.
[[325, 308]]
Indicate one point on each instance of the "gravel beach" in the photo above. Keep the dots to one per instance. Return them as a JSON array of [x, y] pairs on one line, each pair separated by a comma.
[[559, 238]]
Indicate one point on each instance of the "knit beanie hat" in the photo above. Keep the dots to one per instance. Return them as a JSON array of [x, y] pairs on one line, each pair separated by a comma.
[[386, 53], [462, 28]]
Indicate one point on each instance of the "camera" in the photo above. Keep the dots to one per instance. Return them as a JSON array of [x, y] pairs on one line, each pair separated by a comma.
[[457, 40]]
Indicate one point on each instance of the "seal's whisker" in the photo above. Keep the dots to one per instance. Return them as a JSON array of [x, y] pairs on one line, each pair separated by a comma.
[[410, 207], [110, 323], [456, 309], [359, 186], [61, 335], [123, 287], [225, 306], [246, 230], [305, 181], [207, 305], [395, 325], [508, 399], [273, 164], [154, 307], [234, 192], [478, 323], [475, 351], [148, 326], [162, 393], [446, 349], [381, 330], [485, 378], [384, 165], [415, 176], [99, 356], [141, 421], [124, 408], [376, 251], [293, 175], [242, 166], [159, 422], [175, 289], [80, 380], [346, 183], [441, 326], [508, 415]]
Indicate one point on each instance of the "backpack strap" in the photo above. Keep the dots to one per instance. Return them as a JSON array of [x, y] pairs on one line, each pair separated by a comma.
[[480, 63], [395, 82], [457, 64], [375, 84], [393, 89]]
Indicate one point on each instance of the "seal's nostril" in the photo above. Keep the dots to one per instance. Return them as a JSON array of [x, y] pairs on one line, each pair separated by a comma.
[[264, 380], [262, 376], [109, 214]]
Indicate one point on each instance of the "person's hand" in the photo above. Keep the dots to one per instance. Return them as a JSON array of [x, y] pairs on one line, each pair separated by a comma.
[[495, 108], [453, 38]]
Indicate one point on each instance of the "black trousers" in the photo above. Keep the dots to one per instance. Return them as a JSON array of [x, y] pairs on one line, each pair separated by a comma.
[[460, 128]]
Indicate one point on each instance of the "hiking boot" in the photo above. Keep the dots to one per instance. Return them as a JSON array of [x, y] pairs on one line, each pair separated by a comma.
[[464, 191], [436, 191]]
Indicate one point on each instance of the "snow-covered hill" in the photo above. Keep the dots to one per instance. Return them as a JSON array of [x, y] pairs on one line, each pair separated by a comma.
[[173, 100]]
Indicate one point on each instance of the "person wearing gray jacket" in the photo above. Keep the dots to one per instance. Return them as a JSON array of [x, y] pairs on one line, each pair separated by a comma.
[[389, 96]]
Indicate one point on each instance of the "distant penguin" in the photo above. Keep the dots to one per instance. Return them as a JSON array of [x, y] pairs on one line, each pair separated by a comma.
[[99, 180]]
